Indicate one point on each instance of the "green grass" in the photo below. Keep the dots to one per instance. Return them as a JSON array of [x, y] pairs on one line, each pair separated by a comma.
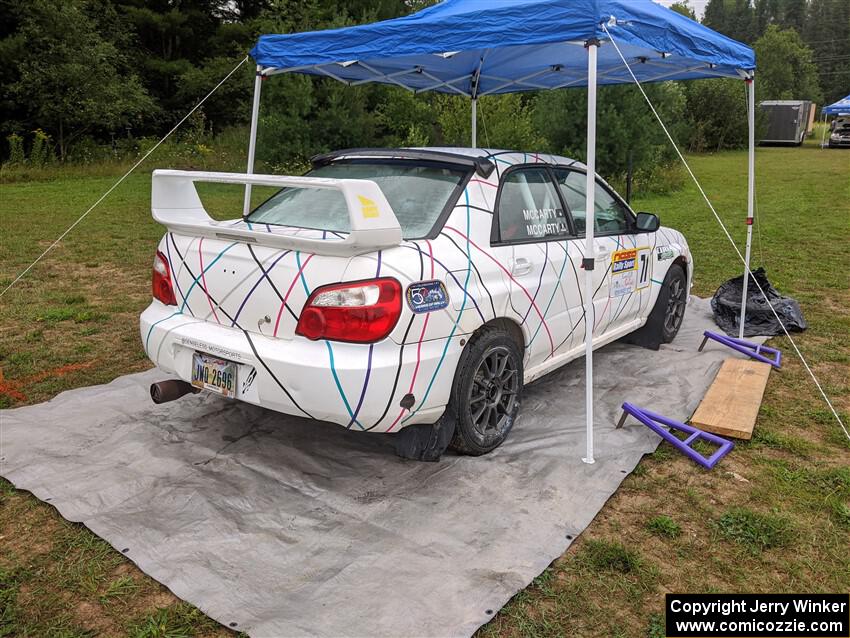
[[177, 621], [755, 531], [612, 556], [664, 526], [773, 516]]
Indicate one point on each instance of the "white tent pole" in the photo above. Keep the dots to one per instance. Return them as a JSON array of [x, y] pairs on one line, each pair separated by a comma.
[[474, 122], [751, 193], [589, 249], [252, 140], [823, 133]]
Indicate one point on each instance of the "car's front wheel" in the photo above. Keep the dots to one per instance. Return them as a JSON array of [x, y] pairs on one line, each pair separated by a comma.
[[669, 311], [486, 392], [667, 314], [676, 297]]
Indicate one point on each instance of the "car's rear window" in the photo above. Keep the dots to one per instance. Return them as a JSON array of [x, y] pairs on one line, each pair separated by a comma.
[[417, 193]]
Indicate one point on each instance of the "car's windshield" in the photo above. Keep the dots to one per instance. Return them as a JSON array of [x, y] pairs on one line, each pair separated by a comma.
[[417, 194]]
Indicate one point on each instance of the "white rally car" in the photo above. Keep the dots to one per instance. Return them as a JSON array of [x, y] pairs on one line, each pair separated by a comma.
[[403, 290]]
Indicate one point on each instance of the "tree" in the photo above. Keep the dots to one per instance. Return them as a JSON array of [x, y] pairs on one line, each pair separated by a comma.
[[684, 8], [170, 39], [784, 67], [793, 14], [765, 12], [70, 78], [626, 128], [734, 18], [230, 104], [716, 114], [304, 115], [828, 32]]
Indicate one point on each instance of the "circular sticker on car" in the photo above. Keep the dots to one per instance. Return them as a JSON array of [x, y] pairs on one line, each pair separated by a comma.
[[427, 296]]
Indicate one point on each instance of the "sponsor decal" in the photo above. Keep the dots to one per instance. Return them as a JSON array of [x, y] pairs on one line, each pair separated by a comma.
[[542, 222], [644, 267], [665, 252], [623, 272], [630, 271], [249, 380], [623, 260], [211, 349], [368, 208], [427, 296]]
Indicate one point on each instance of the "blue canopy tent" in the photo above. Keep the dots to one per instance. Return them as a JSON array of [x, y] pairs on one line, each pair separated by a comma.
[[484, 47], [842, 107]]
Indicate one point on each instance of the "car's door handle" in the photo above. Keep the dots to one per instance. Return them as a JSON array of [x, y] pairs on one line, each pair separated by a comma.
[[521, 266]]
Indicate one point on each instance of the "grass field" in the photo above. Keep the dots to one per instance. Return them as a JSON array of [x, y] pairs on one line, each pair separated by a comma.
[[774, 516]]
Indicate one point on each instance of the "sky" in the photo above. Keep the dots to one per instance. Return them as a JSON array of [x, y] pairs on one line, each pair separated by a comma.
[[697, 5]]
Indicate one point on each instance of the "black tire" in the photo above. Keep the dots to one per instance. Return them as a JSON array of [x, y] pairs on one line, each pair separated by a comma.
[[485, 401], [667, 314], [669, 310]]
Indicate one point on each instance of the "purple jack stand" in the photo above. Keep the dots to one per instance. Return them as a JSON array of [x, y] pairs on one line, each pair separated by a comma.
[[652, 421], [753, 350]]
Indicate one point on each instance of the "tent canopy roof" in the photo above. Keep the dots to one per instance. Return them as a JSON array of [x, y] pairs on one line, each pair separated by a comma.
[[842, 107], [479, 47]]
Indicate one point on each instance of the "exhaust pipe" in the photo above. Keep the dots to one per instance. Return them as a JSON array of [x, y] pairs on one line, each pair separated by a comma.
[[165, 391]]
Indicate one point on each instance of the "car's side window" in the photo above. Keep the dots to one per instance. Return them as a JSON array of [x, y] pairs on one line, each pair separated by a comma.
[[611, 217], [529, 208]]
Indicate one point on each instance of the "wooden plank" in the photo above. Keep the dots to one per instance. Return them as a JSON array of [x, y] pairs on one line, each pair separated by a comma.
[[731, 405]]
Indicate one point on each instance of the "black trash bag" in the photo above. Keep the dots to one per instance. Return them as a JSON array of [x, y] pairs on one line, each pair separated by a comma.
[[759, 321]]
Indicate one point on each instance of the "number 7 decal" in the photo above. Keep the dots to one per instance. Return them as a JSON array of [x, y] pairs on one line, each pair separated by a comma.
[[644, 264]]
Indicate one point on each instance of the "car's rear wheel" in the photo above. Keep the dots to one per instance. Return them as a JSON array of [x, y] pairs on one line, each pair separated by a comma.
[[486, 392]]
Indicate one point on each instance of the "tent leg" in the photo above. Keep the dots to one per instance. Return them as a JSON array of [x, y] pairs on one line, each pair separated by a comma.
[[589, 249], [252, 140], [474, 122], [751, 192]]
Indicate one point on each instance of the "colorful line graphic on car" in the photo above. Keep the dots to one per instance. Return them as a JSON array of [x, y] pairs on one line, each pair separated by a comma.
[[459, 285]]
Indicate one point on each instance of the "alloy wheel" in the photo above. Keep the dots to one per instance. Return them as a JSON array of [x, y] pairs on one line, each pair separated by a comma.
[[493, 392], [675, 306]]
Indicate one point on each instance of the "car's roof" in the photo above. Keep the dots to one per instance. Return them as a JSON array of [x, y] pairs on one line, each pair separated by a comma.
[[478, 154], [493, 152]]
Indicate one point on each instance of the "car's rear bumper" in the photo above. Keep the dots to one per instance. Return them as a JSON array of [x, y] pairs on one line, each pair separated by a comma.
[[355, 385]]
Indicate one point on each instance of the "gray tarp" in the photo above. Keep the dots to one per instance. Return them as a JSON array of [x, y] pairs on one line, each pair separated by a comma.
[[286, 527]]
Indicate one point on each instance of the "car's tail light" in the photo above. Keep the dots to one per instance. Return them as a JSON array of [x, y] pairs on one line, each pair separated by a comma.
[[359, 312], [161, 282]]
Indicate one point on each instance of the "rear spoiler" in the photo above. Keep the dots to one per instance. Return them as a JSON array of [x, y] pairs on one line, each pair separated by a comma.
[[176, 205]]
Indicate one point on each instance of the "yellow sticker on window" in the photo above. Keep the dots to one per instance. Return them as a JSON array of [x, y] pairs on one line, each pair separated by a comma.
[[368, 207]]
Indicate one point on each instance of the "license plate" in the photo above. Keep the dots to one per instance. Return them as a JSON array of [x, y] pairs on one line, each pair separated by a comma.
[[216, 375]]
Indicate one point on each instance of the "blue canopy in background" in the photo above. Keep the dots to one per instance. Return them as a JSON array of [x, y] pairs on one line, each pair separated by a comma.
[[842, 107], [480, 47]]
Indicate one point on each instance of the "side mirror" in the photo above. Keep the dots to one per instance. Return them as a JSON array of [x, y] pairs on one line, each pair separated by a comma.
[[648, 223]]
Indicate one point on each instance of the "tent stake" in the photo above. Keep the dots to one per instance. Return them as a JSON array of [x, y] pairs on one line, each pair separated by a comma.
[[589, 249], [252, 140], [751, 190]]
